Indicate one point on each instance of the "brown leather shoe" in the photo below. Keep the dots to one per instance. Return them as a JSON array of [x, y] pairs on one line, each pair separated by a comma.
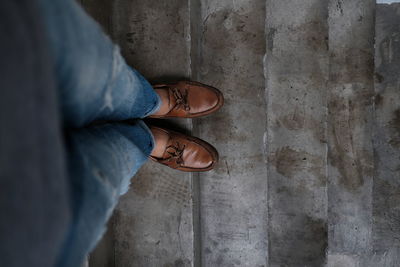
[[187, 153], [190, 99]]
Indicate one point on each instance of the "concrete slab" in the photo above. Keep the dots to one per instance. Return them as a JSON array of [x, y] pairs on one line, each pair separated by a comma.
[[297, 73], [154, 37], [153, 224], [386, 187], [350, 124], [233, 211]]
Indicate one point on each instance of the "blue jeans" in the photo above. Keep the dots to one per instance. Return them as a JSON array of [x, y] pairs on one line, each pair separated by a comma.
[[95, 84]]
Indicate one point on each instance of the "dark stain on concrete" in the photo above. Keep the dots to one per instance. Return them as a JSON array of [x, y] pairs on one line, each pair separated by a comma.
[[356, 66], [270, 38], [125, 245], [290, 162], [387, 227], [355, 105], [352, 164], [314, 35], [299, 121], [307, 245], [316, 235], [347, 112], [295, 121], [379, 78], [178, 263], [394, 125], [388, 45], [378, 100]]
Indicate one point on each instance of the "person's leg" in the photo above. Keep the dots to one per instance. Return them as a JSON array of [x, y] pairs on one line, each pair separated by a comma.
[[95, 82], [102, 160]]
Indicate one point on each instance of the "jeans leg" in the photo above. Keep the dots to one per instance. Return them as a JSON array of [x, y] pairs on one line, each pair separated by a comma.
[[94, 80], [102, 160]]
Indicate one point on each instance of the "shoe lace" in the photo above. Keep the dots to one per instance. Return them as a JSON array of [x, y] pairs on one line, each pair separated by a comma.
[[176, 153], [181, 99]]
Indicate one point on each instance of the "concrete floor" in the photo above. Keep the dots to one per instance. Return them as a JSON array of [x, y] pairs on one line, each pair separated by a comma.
[[309, 136]]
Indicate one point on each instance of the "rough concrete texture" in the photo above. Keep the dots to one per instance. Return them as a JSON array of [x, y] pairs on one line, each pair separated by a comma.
[[350, 121], [320, 122], [154, 37], [153, 223], [297, 72], [386, 186], [309, 163], [233, 197]]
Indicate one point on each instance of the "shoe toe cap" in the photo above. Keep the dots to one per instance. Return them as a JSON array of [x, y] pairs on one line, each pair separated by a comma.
[[198, 157], [203, 99]]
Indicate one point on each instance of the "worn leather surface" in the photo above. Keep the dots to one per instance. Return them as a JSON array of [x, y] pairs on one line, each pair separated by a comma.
[[189, 99]]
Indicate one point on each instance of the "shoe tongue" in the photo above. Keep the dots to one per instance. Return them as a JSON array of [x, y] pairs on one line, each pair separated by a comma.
[[169, 143], [173, 146]]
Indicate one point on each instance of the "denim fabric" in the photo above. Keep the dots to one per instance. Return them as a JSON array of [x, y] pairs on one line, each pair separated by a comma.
[[95, 84], [102, 160]]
